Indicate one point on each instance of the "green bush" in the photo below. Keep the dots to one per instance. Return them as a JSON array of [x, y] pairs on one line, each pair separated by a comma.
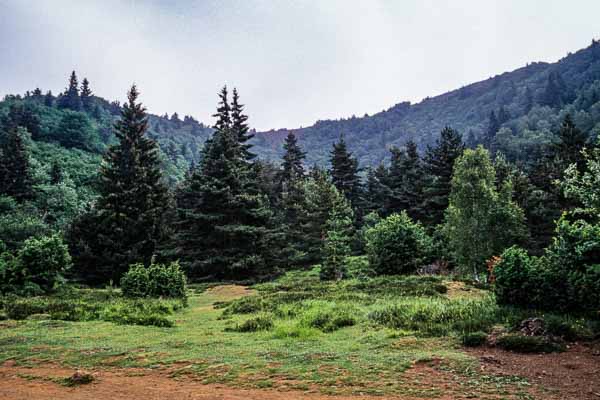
[[42, 261], [565, 279], [528, 344], [514, 275], [158, 280], [397, 245], [474, 339], [138, 312]]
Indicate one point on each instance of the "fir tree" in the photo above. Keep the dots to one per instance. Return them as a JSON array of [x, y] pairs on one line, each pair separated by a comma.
[[86, 95], [376, 189], [438, 164], [405, 182], [15, 170], [223, 225], [49, 99], [240, 127], [344, 173], [292, 167], [492, 128], [56, 173], [569, 144], [70, 98], [127, 224]]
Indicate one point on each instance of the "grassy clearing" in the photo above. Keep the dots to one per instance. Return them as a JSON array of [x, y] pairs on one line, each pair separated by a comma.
[[354, 336]]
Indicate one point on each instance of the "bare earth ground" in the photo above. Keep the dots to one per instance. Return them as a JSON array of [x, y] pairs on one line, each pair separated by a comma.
[[573, 375]]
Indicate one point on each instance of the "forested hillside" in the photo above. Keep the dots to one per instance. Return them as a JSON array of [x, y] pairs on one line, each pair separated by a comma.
[[527, 106]]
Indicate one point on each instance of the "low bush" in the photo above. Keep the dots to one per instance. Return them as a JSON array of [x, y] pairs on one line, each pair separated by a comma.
[[263, 322], [474, 339], [514, 273], [157, 280], [437, 316], [138, 312], [397, 245], [528, 344]]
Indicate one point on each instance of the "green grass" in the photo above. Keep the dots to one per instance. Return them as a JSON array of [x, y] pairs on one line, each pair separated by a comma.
[[295, 333]]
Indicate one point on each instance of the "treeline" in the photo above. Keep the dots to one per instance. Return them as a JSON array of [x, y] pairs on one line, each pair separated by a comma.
[[236, 217]]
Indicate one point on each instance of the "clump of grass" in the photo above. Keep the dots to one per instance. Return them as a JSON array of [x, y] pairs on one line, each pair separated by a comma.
[[288, 329], [528, 344], [328, 316], [262, 322], [437, 316], [138, 312]]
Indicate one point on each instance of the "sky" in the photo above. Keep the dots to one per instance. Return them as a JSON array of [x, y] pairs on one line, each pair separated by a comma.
[[293, 61]]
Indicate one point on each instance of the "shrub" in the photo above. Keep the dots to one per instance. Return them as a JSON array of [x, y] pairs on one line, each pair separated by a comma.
[[262, 322], [42, 261], [514, 275], [158, 280], [474, 339], [397, 245], [138, 312], [528, 344]]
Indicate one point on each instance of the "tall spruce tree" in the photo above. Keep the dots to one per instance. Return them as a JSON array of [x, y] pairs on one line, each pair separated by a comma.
[[239, 127], [86, 95], [127, 223], [15, 170], [344, 173], [438, 164], [405, 182], [70, 98], [569, 144], [223, 224], [337, 238], [376, 189]]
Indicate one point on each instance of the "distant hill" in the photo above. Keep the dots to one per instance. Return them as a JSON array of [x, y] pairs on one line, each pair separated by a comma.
[[527, 103], [526, 90]]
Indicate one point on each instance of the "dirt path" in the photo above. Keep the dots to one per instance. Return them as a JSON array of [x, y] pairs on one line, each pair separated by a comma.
[[573, 375], [19, 383]]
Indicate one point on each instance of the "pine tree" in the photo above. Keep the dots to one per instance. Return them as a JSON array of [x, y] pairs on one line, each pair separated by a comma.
[[223, 224], [569, 144], [438, 164], [405, 182], [492, 128], [344, 173], [15, 170], [70, 98], [49, 99], [292, 167], [56, 173], [240, 127], [376, 189], [86, 95], [127, 223]]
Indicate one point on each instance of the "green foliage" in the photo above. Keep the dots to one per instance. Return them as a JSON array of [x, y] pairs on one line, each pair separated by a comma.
[[480, 220], [336, 246], [397, 245], [157, 280], [327, 316], [528, 344], [137, 313], [437, 317], [474, 339], [515, 277]]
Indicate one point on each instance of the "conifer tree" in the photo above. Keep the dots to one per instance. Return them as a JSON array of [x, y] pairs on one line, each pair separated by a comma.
[[56, 173], [223, 223], [405, 182], [15, 170], [344, 173], [86, 95], [376, 189], [569, 144], [127, 223], [438, 164], [70, 98], [240, 127], [49, 99]]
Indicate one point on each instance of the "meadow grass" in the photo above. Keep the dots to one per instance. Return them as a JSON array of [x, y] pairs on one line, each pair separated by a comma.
[[354, 336]]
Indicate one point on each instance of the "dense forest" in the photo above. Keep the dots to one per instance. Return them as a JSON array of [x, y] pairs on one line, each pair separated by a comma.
[[506, 162]]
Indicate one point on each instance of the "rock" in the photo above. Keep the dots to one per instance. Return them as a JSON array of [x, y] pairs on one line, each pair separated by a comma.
[[533, 327]]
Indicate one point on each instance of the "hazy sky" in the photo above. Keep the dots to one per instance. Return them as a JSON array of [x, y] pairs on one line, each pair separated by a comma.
[[294, 62]]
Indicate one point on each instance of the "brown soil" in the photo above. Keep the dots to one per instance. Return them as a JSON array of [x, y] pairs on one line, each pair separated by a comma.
[[230, 292], [38, 383], [573, 375]]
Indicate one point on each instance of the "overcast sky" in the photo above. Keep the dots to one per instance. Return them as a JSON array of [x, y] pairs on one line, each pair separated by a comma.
[[294, 62]]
